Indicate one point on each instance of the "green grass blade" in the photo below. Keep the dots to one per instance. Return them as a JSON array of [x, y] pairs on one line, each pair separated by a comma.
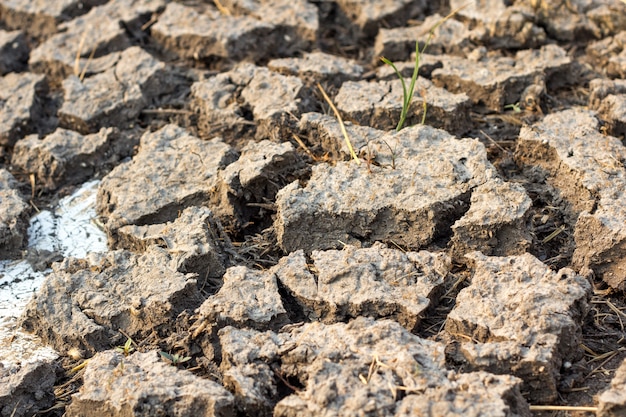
[[405, 97], [408, 95], [416, 68]]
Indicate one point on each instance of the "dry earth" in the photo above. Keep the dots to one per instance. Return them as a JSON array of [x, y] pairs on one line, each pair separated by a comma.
[[472, 263]]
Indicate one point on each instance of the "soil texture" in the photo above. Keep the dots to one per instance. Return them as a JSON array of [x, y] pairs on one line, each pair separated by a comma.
[[296, 228]]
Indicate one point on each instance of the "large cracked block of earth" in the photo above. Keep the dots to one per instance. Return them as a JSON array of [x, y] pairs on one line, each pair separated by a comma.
[[143, 385], [20, 106], [196, 239], [365, 367], [67, 157], [581, 20], [248, 298], [295, 22], [593, 19], [116, 96], [40, 17], [364, 18], [499, 24], [522, 319], [275, 101], [496, 221], [14, 214], [172, 170], [96, 38], [584, 166], [397, 44], [203, 33], [319, 67], [380, 104], [27, 389], [377, 282], [608, 98], [418, 184], [498, 81], [610, 53], [83, 305]]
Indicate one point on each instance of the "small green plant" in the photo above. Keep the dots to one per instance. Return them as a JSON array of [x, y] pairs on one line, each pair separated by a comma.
[[174, 358], [127, 348], [407, 94], [515, 107]]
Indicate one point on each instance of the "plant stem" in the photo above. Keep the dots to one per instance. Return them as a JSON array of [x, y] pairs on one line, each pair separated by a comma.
[[341, 124], [407, 95]]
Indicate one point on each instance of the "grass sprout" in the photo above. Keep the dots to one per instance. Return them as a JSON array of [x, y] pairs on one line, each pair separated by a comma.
[[127, 348], [407, 94], [174, 358]]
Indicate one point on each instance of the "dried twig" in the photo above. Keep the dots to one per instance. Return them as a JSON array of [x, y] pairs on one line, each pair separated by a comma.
[[341, 124]]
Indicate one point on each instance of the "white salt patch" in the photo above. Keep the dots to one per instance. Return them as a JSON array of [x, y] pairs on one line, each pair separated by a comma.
[[69, 231]]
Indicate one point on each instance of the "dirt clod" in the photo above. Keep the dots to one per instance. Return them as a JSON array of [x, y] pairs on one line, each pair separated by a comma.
[[527, 323], [83, 305], [346, 204], [110, 388], [66, 156]]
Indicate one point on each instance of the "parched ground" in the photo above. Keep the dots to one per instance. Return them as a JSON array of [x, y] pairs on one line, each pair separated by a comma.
[[279, 245]]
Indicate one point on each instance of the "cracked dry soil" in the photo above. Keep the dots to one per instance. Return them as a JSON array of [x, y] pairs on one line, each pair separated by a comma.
[[470, 265]]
